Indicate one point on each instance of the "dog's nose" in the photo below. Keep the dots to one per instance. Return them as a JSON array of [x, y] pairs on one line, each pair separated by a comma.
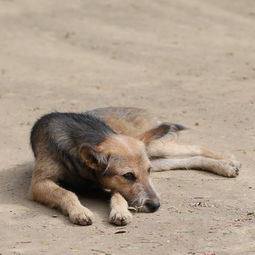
[[152, 205]]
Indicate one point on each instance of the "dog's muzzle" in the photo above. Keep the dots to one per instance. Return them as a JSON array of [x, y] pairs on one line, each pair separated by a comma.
[[151, 205]]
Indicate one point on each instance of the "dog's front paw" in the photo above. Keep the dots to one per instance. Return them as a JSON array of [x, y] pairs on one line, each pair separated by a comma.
[[81, 216], [231, 168], [120, 217]]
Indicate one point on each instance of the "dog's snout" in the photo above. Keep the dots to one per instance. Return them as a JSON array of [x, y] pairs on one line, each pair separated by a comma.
[[152, 205]]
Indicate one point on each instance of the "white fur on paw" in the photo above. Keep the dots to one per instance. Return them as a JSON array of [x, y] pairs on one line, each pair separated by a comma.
[[230, 168], [81, 216], [120, 218]]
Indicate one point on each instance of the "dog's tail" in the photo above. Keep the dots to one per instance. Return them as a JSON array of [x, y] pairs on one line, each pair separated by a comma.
[[176, 127]]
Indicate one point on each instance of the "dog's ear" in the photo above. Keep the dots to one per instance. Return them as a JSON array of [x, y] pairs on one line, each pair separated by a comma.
[[93, 158], [156, 133]]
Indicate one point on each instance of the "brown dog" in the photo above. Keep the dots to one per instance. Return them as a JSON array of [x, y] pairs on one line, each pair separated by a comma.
[[115, 148]]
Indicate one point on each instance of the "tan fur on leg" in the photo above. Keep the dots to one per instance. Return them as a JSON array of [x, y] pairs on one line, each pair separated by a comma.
[[165, 147], [49, 193], [119, 214], [226, 168]]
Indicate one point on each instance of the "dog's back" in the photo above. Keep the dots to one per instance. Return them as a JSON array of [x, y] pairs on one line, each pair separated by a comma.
[[59, 131], [130, 121], [126, 120]]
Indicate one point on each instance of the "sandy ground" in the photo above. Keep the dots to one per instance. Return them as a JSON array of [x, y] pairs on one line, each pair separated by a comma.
[[192, 61]]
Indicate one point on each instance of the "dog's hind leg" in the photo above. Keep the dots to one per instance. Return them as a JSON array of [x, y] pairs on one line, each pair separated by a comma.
[[165, 147], [119, 214], [226, 168], [45, 190]]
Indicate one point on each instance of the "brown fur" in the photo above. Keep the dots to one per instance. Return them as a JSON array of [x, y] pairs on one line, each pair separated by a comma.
[[140, 142]]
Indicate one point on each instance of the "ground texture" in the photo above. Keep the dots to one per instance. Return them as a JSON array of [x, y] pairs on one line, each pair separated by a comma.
[[192, 61]]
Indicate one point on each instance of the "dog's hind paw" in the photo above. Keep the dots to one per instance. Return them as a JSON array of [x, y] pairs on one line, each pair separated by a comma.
[[120, 218], [230, 168], [81, 216]]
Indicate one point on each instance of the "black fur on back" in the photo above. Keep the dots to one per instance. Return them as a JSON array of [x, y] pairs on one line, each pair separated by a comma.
[[65, 132]]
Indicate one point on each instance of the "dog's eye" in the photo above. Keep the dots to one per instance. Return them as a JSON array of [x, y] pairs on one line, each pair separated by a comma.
[[149, 170], [129, 176]]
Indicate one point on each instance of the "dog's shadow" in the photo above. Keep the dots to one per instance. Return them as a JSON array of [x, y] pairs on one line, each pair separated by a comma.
[[14, 184]]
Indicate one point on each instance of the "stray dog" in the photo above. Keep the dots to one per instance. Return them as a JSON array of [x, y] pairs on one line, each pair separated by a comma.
[[115, 148]]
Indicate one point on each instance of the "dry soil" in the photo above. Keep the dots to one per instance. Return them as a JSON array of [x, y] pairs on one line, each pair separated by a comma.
[[190, 60]]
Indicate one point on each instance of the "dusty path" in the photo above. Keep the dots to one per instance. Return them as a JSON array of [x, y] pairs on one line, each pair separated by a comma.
[[192, 61]]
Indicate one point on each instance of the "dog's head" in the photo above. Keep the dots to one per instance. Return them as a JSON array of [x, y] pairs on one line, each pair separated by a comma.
[[122, 165]]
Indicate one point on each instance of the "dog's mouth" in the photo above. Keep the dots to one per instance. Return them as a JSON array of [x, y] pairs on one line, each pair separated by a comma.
[[135, 208], [148, 206]]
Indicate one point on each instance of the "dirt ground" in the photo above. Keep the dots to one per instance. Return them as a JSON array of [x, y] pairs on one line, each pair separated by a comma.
[[190, 60]]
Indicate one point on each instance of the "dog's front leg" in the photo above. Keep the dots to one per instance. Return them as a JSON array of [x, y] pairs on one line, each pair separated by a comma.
[[119, 214], [49, 193]]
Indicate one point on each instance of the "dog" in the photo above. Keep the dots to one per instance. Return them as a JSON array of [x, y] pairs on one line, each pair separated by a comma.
[[114, 148]]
